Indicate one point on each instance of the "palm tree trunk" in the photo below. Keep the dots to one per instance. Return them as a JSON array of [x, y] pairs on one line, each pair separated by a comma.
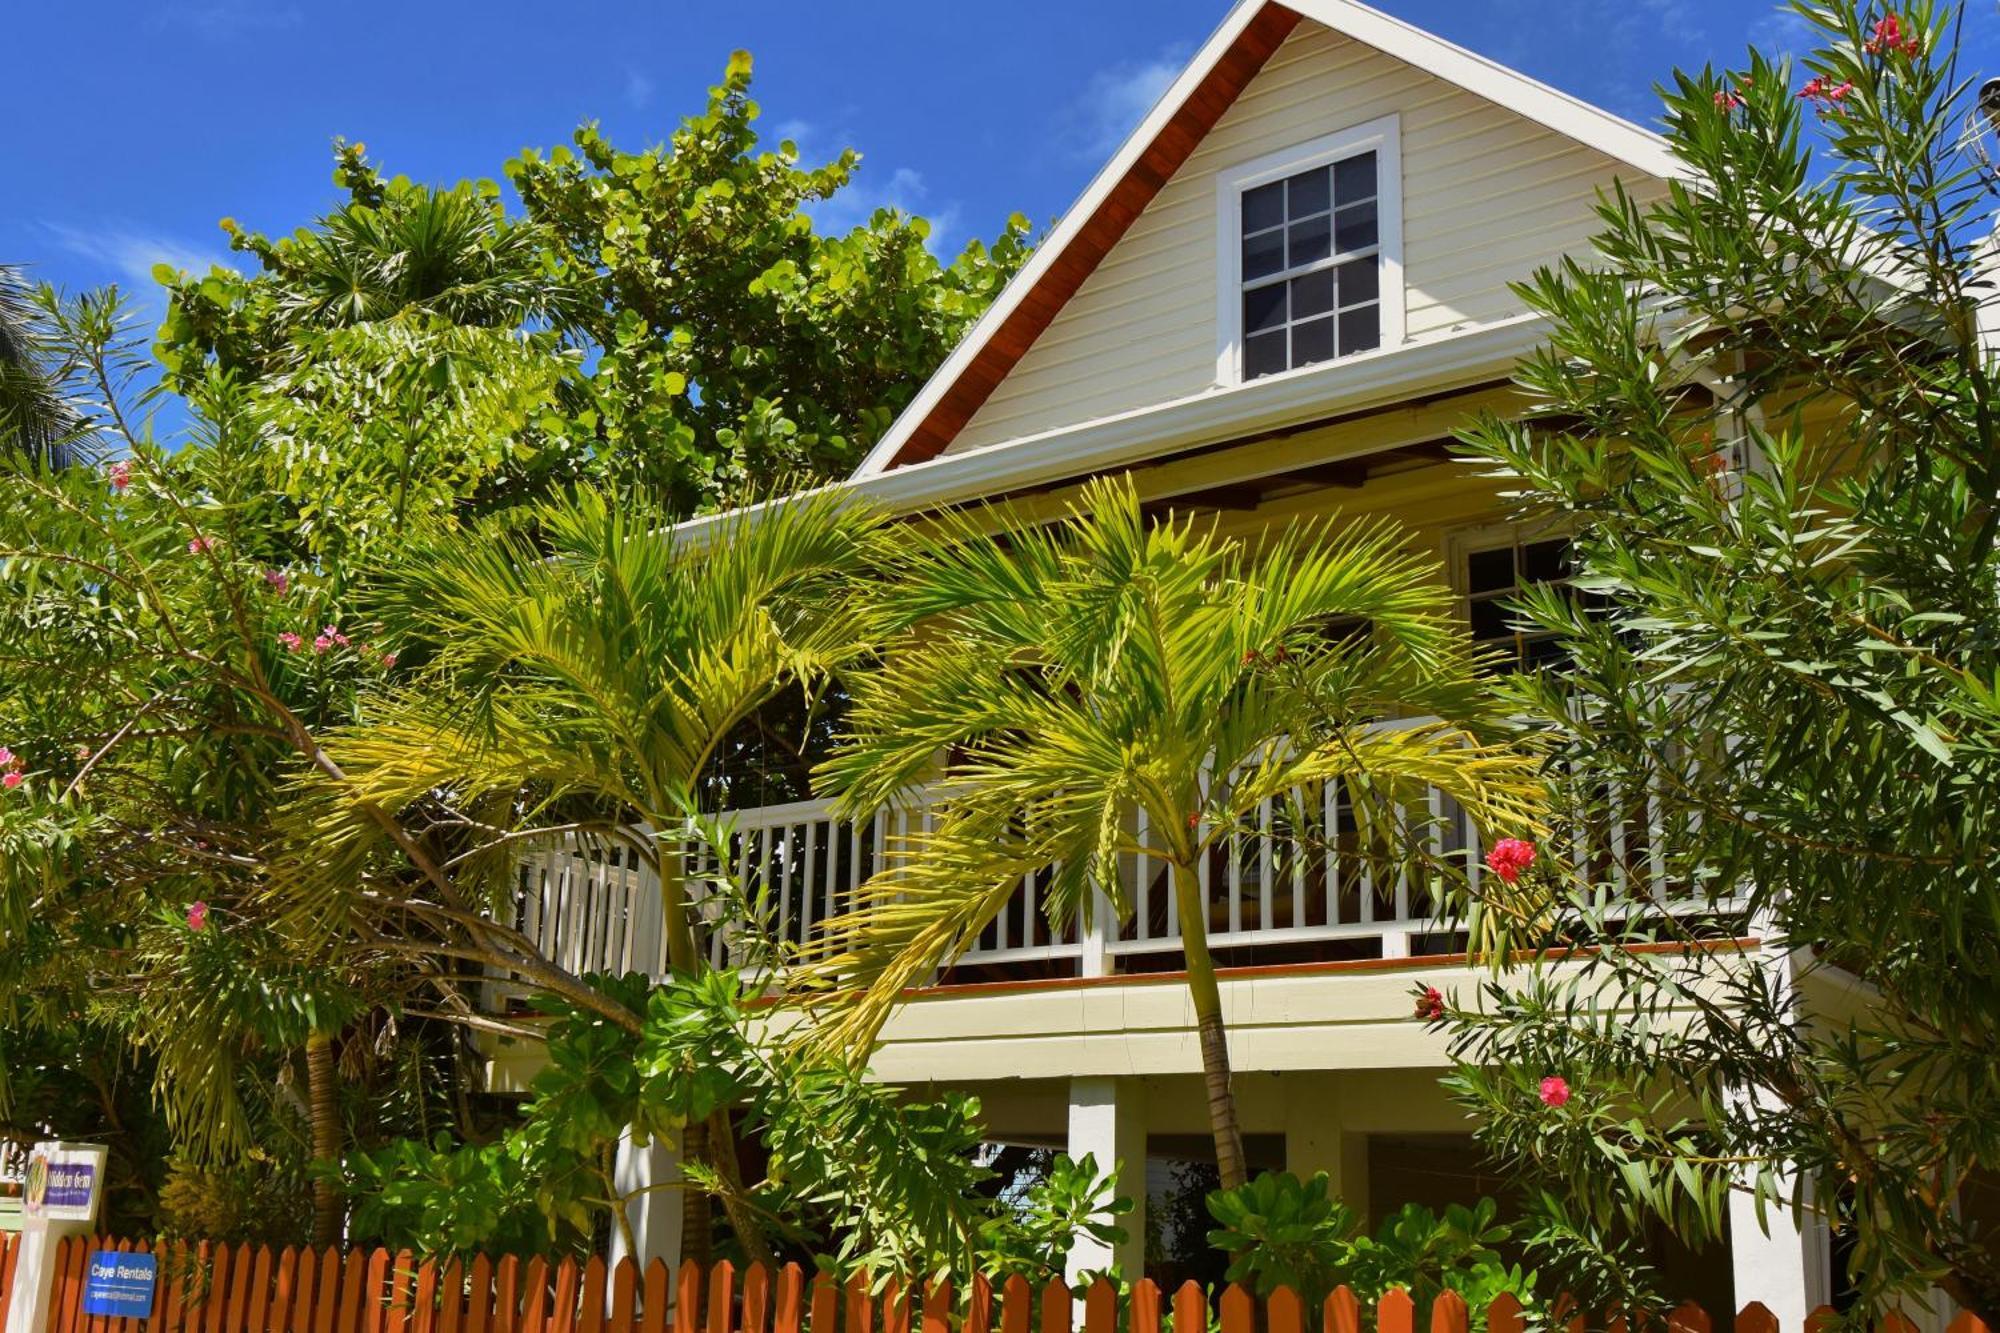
[[1192, 908], [323, 1114]]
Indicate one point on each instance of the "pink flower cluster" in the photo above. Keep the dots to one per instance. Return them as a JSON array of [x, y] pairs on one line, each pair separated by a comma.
[[119, 474], [278, 581], [1891, 40], [1824, 94], [197, 915], [10, 769], [329, 638], [1555, 1090], [201, 545], [1430, 1004], [1727, 99], [1509, 857]]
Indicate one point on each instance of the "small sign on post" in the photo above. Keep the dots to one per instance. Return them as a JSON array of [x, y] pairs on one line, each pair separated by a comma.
[[119, 1282]]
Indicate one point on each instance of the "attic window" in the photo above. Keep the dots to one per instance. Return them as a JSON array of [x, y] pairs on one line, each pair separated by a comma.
[[1311, 266]]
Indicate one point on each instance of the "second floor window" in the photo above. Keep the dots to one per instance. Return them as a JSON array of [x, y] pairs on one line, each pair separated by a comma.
[[1312, 282], [1311, 265]]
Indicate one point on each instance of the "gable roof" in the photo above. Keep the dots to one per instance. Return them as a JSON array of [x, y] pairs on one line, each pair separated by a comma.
[[1149, 157]]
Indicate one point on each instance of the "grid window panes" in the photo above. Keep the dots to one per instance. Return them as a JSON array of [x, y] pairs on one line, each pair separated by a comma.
[[1312, 278], [1493, 576]]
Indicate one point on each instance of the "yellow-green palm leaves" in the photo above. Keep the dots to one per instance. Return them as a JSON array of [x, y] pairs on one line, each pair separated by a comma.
[[1058, 678], [588, 653]]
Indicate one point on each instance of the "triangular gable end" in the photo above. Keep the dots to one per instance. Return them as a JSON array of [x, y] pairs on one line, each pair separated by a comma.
[[1149, 158]]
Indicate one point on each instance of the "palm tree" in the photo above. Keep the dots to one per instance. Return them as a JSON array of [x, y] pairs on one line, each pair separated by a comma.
[[589, 658], [1070, 673], [37, 420]]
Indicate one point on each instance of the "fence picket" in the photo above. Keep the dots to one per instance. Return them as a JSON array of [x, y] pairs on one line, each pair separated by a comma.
[[342, 1290], [423, 1314], [979, 1305], [10, 1259], [860, 1310], [318, 1293], [825, 1302], [451, 1298], [562, 1316], [590, 1315], [1395, 1312], [1342, 1312], [1100, 1307], [1687, 1317], [937, 1308], [1239, 1311], [624, 1296], [1017, 1300], [1145, 1312], [687, 1298], [1284, 1312], [401, 1275], [1448, 1313], [895, 1309], [534, 1296], [1057, 1308], [507, 1294], [756, 1298], [1966, 1322], [721, 1297], [479, 1295], [1504, 1315], [656, 1296], [216, 1295], [260, 1291], [1190, 1309], [789, 1304], [374, 1282]]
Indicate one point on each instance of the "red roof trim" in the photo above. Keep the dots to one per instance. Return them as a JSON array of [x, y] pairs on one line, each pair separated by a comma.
[[1163, 157]]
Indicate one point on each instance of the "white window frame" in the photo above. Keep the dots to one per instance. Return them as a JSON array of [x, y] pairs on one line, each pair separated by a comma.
[[1383, 137]]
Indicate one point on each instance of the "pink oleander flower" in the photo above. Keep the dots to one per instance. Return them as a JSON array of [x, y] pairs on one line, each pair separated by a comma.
[[1555, 1090], [7, 758], [119, 474], [201, 545], [388, 660], [197, 915], [11, 780], [1430, 1004], [321, 643], [1509, 857], [1727, 99], [332, 634], [278, 581], [1890, 39], [291, 641]]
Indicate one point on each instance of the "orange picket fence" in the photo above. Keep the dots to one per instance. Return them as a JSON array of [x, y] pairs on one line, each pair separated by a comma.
[[219, 1289], [10, 1254]]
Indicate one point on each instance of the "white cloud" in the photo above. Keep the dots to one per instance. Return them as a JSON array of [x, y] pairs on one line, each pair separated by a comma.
[[638, 89], [130, 253], [904, 190], [1782, 33], [1115, 100]]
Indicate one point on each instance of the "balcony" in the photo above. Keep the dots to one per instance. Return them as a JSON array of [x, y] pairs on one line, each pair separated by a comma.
[[1277, 893]]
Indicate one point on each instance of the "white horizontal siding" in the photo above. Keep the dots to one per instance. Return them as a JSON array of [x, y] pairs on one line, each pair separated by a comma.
[[1487, 197]]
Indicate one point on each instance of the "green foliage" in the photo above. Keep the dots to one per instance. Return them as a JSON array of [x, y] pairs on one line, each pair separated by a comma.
[[863, 1177], [737, 343], [1768, 418], [1281, 1231], [232, 1204]]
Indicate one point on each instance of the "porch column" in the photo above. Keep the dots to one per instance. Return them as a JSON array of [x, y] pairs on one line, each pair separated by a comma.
[[1317, 1139], [654, 1213], [1784, 1260], [1785, 1267], [1107, 1119]]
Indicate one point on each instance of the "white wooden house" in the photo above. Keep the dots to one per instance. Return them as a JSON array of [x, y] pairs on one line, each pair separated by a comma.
[[1277, 298]]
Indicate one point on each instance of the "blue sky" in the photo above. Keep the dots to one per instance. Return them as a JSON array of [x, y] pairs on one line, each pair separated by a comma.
[[147, 122]]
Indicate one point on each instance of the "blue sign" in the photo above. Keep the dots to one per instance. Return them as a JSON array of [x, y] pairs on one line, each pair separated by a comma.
[[120, 1283]]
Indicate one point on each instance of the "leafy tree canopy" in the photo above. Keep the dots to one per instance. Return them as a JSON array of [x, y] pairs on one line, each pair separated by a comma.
[[670, 319], [1769, 421]]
